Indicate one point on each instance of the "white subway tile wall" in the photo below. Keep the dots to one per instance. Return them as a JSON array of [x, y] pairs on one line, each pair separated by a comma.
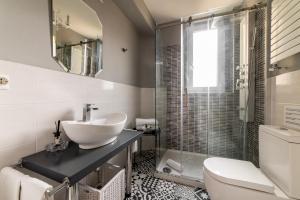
[[37, 97]]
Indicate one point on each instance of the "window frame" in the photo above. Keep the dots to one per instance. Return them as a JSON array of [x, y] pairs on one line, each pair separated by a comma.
[[201, 67], [188, 51]]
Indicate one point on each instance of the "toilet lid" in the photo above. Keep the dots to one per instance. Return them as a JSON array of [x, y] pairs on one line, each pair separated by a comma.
[[239, 173]]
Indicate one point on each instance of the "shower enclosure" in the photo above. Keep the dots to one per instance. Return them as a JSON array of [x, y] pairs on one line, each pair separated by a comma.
[[204, 91]]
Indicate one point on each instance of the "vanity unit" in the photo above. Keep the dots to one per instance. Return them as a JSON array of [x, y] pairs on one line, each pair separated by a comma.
[[68, 167]]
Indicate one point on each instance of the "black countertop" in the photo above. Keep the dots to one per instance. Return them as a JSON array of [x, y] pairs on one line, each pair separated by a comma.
[[75, 163]]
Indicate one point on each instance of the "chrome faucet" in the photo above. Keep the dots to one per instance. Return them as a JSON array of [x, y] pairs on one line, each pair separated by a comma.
[[87, 111]]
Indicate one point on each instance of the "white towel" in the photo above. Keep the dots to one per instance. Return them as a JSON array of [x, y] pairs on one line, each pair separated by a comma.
[[140, 121], [143, 124], [10, 182], [175, 165], [33, 189], [141, 127], [134, 147]]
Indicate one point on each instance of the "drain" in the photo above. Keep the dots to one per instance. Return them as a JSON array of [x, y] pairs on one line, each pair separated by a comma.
[[167, 170]]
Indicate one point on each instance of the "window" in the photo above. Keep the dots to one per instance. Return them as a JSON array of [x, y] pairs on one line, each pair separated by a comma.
[[205, 58], [209, 55]]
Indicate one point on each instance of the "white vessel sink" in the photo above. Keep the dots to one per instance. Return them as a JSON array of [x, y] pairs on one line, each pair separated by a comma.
[[95, 133]]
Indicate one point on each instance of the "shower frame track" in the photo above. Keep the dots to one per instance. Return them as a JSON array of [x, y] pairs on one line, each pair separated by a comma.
[[190, 19]]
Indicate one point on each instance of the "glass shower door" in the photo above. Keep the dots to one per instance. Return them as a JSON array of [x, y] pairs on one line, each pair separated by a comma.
[[197, 99], [169, 99], [213, 124]]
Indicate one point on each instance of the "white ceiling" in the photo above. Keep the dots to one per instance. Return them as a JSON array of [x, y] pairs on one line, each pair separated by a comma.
[[171, 10]]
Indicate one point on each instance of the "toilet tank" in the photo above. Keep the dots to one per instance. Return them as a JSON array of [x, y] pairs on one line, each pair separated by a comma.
[[279, 157]]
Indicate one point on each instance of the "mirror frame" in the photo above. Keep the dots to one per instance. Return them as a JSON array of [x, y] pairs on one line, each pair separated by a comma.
[[53, 43]]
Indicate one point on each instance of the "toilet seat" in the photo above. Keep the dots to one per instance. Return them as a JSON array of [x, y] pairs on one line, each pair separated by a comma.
[[239, 173]]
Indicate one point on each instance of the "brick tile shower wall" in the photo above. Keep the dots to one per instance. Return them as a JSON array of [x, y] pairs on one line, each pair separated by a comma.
[[211, 122], [172, 74], [252, 127], [201, 112]]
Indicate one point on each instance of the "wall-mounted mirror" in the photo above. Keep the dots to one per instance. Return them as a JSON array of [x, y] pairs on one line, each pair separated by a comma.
[[76, 37]]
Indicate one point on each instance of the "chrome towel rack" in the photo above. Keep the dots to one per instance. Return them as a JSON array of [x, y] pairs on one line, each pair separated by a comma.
[[49, 193]]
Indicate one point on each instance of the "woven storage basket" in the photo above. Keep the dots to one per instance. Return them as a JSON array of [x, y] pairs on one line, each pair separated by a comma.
[[113, 190]]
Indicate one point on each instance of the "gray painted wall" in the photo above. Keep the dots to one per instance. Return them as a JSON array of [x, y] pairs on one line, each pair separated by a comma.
[[24, 30], [147, 61], [25, 38]]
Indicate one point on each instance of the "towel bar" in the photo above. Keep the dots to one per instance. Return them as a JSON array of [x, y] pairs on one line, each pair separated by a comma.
[[72, 190], [49, 192]]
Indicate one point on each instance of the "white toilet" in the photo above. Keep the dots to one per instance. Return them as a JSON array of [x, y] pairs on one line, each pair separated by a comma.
[[278, 177]]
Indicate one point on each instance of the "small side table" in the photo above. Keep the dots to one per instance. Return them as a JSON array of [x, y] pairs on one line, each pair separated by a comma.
[[155, 133]]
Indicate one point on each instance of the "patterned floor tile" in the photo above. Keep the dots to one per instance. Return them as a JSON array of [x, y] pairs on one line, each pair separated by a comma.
[[201, 194], [150, 182], [147, 187], [185, 192]]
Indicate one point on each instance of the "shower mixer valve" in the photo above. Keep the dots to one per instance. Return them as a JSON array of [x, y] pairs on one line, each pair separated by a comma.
[[240, 84]]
